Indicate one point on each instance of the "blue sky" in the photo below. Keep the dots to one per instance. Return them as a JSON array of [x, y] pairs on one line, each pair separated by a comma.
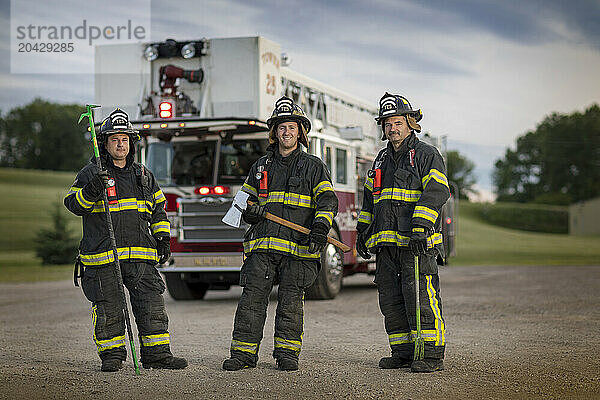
[[484, 72]]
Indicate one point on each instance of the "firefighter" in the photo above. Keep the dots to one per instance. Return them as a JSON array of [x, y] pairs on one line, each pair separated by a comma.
[[296, 186], [142, 235], [400, 218]]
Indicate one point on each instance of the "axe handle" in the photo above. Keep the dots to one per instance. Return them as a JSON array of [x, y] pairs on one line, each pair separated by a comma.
[[302, 229]]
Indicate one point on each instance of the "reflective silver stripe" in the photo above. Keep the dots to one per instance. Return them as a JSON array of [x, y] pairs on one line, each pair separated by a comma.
[[155, 340], [294, 345], [251, 348]]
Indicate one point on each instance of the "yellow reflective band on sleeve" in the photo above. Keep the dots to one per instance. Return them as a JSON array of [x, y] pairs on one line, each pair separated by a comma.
[[83, 202], [417, 229], [72, 189], [249, 189], [159, 196], [162, 226], [394, 237], [273, 243], [440, 326], [251, 348], [323, 186], [328, 215], [155, 340], [426, 213], [125, 253], [436, 176], [369, 184], [294, 345], [365, 217], [409, 196]]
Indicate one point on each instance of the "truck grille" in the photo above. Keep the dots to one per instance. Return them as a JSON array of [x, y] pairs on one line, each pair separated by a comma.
[[200, 221]]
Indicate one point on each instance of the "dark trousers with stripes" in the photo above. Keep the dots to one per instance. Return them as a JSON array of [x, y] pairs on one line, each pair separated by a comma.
[[258, 275], [145, 287], [395, 279]]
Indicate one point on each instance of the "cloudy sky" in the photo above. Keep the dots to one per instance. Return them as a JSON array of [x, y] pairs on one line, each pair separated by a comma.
[[483, 71]]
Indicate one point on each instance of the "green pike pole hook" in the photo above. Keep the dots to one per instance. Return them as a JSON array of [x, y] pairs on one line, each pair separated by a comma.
[[90, 115], [419, 341]]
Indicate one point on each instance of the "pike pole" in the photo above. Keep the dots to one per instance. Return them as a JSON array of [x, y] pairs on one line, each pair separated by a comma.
[[89, 113], [419, 341]]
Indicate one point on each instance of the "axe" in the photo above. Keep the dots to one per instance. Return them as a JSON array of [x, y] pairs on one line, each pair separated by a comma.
[[240, 202]]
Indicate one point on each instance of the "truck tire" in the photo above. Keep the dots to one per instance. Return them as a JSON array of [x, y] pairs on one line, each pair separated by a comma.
[[329, 280], [182, 290]]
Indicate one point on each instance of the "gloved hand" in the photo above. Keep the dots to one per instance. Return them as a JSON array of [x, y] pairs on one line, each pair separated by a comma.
[[361, 247], [418, 240], [254, 213], [163, 248], [317, 238], [96, 185]]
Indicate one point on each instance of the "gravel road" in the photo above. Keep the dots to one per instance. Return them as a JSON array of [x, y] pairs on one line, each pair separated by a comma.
[[513, 333]]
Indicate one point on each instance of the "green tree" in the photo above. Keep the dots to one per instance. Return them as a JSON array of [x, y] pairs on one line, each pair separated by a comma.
[[558, 163], [43, 135], [56, 245], [460, 171]]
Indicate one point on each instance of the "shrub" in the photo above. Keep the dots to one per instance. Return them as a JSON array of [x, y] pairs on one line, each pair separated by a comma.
[[57, 244], [527, 217]]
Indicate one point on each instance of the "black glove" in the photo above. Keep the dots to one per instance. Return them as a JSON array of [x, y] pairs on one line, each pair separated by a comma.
[[163, 247], [418, 240], [254, 213], [96, 185], [317, 238], [361, 247]]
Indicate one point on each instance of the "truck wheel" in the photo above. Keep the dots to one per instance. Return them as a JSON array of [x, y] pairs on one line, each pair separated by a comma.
[[182, 290], [329, 281]]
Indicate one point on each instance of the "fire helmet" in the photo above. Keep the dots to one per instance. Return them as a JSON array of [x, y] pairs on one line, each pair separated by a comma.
[[286, 110], [117, 122], [391, 105]]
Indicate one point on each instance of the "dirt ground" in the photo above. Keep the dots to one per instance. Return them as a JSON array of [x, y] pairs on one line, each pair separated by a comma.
[[513, 333]]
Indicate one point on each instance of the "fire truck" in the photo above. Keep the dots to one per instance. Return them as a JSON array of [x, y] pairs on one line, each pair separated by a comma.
[[201, 107]]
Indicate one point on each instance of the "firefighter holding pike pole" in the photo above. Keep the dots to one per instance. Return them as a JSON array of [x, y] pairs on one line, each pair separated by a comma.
[[400, 222], [292, 185], [125, 234]]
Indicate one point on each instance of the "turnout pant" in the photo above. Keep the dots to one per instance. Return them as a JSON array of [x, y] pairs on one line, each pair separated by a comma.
[[394, 277], [145, 287], [258, 275]]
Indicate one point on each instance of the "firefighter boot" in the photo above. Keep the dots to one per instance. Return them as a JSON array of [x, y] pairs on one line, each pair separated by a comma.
[[111, 365], [287, 364], [166, 363], [427, 365], [394, 362], [235, 364]]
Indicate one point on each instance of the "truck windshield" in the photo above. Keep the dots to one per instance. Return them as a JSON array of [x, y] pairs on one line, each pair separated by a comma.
[[192, 163]]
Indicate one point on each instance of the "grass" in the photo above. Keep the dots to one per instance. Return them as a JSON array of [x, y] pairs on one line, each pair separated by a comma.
[[27, 197]]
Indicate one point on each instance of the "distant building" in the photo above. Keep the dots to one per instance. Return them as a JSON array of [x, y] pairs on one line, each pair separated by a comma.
[[584, 217]]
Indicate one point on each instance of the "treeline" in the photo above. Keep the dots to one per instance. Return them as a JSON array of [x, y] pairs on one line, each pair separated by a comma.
[[44, 135], [558, 163]]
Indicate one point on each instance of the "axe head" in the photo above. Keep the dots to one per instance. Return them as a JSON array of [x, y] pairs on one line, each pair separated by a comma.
[[234, 215]]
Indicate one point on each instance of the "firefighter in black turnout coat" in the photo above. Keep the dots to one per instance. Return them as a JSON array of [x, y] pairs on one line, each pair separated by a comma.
[[296, 186], [142, 235], [400, 218]]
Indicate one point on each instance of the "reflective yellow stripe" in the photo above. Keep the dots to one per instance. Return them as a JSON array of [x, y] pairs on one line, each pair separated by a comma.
[[162, 226], [410, 196], [125, 253], [365, 217], [426, 213], [251, 348], [128, 204], [273, 243], [292, 199], [72, 189], [159, 197], [399, 240], [369, 184], [83, 202], [102, 345], [429, 335], [249, 189], [328, 215], [436, 176], [294, 345], [155, 340], [323, 186], [440, 327]]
